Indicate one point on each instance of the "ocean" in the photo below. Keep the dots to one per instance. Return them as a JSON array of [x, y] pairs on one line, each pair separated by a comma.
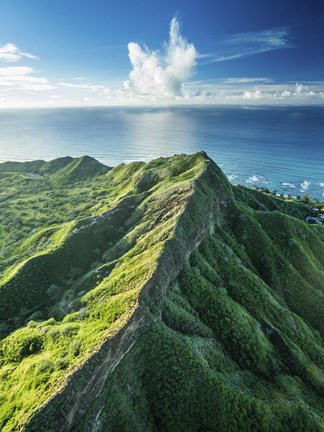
[[281, 148]]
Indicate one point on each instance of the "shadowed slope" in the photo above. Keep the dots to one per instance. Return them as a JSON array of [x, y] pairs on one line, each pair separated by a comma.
[[206, 311]]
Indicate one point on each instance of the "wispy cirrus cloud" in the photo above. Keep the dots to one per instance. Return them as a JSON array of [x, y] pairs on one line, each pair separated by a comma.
[[249, 43], [87, 86], [15, 70], [17, 78], [245, 80], [10, 53]]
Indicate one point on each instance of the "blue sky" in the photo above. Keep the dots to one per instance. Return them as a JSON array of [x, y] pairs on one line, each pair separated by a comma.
[[107, 52]]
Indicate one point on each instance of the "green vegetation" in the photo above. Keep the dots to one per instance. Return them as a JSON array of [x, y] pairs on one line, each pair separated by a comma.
[[156, 297]]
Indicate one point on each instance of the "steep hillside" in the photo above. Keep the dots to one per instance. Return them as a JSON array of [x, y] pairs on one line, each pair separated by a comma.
[[168, 301], [75, 283]]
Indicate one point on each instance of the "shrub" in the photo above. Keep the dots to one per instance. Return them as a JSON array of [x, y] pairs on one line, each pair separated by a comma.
[[22, 344]]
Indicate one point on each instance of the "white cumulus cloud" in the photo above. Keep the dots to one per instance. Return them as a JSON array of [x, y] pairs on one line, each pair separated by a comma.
[[302, 90], [9, 53], [160, 75]]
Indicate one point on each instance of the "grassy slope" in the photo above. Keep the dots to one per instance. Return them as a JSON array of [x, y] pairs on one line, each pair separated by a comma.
[[80, 286], [231, 339], [238, 346]]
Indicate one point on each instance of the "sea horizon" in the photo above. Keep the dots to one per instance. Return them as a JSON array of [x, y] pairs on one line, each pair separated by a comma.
[[278, 147]]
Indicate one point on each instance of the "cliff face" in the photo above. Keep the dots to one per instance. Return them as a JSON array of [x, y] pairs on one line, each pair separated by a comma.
[[205, 313]]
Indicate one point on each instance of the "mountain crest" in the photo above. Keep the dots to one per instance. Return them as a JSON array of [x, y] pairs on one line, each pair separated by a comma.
[[173, 303]]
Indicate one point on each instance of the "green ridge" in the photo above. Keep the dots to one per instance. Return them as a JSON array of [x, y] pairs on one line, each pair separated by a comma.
[[166, 300]]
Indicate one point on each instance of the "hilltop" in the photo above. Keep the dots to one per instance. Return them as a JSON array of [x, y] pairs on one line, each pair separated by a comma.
[[156, 297]]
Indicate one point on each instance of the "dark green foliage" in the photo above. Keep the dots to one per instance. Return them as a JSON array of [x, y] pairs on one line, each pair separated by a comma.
[[18, 167], [229, 353], [170, 382], [225, 284], [263, 200], [21, 344], [55, 165]]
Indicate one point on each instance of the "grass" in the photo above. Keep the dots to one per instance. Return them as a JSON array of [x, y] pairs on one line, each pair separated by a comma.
[[231, 336], [56, 308]]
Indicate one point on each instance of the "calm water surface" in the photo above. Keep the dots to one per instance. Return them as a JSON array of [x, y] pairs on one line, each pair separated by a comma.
[[280, 148]]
